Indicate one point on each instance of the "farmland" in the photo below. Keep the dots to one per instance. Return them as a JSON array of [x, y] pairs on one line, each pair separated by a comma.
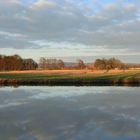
[[71, 77]]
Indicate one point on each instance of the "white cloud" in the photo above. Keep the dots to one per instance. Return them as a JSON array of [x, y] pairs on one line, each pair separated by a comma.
[[12, 35], [44, 23], [43, 4]]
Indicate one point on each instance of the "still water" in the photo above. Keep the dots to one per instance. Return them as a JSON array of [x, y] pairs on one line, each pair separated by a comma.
[[70, 113]]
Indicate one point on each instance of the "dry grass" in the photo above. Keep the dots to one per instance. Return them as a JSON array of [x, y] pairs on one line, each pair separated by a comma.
[[71, 77], [71, 72]]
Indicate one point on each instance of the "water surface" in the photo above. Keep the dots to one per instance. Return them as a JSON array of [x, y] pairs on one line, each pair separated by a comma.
[[70, 113]]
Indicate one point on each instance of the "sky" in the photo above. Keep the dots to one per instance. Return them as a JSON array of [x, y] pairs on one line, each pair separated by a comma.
[[71, 29]]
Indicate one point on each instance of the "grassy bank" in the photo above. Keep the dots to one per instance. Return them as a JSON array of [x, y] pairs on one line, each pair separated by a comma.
[[71, 77]]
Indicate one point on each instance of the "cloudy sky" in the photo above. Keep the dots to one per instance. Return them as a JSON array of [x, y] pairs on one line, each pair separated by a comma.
[[71, 29]]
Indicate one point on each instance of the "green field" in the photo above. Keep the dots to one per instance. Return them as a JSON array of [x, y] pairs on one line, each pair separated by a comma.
[[123, 78]]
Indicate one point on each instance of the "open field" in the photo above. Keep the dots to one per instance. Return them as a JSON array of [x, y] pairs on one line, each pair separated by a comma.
[[71, 77]]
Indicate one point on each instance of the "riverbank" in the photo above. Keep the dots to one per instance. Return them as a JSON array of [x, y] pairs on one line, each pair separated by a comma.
[[70, 77]]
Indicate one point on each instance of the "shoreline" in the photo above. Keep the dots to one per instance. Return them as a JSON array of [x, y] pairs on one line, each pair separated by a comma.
[[68, 82]]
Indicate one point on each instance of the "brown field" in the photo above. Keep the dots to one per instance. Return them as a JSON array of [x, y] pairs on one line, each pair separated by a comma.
[[71, 77], [71, 72]]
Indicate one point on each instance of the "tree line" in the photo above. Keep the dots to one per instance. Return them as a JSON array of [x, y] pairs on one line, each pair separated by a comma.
[[16, 62], [108, 64], [51, 63]]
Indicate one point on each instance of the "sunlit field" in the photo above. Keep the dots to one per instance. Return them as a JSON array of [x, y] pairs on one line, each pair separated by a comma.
[[72, 76]]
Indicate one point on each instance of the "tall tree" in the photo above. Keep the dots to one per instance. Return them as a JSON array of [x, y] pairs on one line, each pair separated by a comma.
[[80, 64], [107, 64], [42, 63], [15, 62], [60, 64], [29, 64]]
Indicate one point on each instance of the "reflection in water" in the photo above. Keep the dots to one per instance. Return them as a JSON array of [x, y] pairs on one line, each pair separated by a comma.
[[70, 113]]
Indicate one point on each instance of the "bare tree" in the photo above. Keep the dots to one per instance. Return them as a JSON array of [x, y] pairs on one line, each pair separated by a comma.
[[80, 64], [60, 64], [42, 63]]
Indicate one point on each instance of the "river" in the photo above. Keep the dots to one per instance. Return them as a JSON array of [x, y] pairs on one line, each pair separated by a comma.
[[69, 113]]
